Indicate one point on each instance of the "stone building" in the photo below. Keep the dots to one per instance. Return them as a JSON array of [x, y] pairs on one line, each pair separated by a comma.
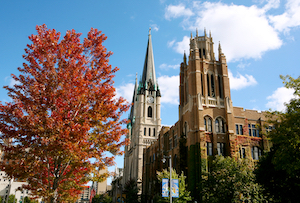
[[208, 124], [145, 122]]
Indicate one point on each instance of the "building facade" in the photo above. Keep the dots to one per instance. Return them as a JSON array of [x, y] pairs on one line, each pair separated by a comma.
[[208, 124], [144, 120]]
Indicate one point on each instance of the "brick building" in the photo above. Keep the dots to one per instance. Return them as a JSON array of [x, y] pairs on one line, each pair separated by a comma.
[[208, 124]]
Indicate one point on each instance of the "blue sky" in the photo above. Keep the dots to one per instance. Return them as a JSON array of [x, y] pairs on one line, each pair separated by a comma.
[[260, 38]]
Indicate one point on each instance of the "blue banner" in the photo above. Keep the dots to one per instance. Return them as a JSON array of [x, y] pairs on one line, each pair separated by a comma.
[[175, 188], [165, 187]]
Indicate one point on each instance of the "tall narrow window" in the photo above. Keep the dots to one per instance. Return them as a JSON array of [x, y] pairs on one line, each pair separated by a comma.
[[220, 87], [200, 54], [221, 148], [204, 53], [208, 89], [217, 126], [202, 84], [243, 153], [212, 86], [209, 149], [144, 131], [150, 112], [153, 132], [209, 127], [149, 131]]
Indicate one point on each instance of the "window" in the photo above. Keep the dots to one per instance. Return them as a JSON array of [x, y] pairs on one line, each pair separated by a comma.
[[221, 148], [256, 153], [175, 140], [150, 112], [269, 128], [208, 89], [253, 130], [145, 131], [170, 143], [239, 129], [149, 131], [220, 87], [212, 86], [202, 84], [207, 124], [153, 132], [219, 125], [209, 148], [243, 153]]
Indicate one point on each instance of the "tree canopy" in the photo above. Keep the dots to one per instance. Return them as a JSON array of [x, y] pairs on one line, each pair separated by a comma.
[[63, 115], [279, 170], [230, 180]]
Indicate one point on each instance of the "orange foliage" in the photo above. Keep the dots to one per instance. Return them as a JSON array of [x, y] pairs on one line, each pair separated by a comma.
[[64, 116]]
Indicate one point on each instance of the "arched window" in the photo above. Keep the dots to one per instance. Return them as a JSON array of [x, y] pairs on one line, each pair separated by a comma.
[[207, 124], [217, 126], [150, 112]]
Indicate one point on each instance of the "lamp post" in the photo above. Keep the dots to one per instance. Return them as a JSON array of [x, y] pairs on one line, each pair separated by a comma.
[[170, 161]]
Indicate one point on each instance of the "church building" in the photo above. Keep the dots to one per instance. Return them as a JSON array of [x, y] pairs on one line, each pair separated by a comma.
[[208, 124]]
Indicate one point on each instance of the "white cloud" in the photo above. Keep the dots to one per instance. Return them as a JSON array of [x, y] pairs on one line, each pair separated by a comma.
[[240, 81], [154, 27], [125, 91], [170, 43], [244, 32], [169, 88], [173, 11], [166, 66], [279, 97], [290, 18], [182, 46]]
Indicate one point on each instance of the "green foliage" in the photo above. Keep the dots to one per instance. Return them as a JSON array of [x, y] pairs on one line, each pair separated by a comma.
[[230, 180], [184, 194], [29, 200], [131, 191], [279, 170], [103, 198], [12, 199]]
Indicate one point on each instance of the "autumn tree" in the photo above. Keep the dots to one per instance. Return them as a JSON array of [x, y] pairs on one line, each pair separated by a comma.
[[63, 117], [279, 170]]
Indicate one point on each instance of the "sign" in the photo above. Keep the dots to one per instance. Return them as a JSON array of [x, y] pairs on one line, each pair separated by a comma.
[[165, 187], [175, 188]]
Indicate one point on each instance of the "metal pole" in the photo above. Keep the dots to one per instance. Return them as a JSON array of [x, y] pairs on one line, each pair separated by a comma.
[[170, 158]]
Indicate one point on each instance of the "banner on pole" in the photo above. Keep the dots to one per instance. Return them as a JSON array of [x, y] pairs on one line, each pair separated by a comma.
[[175, 188], [165, 187]]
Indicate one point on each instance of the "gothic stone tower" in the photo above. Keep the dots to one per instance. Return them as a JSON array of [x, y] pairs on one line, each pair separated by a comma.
[[144, 120], [205, 109]]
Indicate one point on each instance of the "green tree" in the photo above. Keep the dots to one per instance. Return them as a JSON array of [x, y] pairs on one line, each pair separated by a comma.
[[29, 200], [230, 180], [131, 191], [12, 199], [184, 194], [102, 198], [279, 170]]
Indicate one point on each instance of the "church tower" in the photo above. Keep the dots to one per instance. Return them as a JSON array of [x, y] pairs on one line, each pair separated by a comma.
[[205, 109], [144, 119]]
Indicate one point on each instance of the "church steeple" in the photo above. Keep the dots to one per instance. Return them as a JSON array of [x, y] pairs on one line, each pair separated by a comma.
[[148, 81], [149, 68]]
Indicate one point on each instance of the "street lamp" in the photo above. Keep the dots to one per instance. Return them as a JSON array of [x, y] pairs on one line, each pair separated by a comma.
[[170, 161]]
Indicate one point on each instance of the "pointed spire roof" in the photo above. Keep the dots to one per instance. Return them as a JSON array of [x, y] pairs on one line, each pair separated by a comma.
[[132, 113], [149, 68]]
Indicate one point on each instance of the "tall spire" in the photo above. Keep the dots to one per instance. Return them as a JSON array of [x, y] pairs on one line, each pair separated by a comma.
[[149, 68]]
